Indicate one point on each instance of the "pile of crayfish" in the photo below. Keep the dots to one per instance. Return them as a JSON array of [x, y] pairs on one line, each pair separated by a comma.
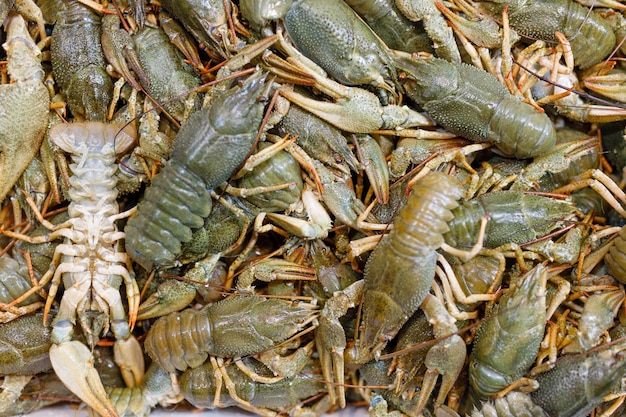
[[296, 206]]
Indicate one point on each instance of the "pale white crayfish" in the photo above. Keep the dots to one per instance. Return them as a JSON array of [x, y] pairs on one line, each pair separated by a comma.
[[91, 265]]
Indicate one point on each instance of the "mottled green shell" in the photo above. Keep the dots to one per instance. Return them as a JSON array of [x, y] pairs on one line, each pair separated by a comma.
[[400, 271], [386, 20], [206, 151], [331, 34], [578, 383], [513, 217], [281, 168], [78, 62], [590, 36], [319, 139], [206, 20], [24, 346], [507, 341], [472, 103], [163, 64], [215, 140], [238, 326]]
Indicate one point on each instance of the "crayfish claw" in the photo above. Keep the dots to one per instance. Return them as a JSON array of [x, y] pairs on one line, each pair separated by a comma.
[[12, 387], [129, 357], [446, 358], [171, 296], [331, 340], [73, 364]]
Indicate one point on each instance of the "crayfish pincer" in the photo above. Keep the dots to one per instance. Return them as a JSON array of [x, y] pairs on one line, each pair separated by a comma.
[[472, 103], [207, 149], [238, 326], [23, 104]]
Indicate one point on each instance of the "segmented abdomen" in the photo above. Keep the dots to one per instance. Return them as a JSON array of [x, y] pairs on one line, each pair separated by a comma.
[[14, 282], [400, 271], [422, 221], [97, 266], [238, 326], [472, 103], [156, 388], [164, 66], [207, 149], [582, 28], [615, 260], [180, 340], [176, 202], [512, 217], [129, 401], [282, 168], [386, 20], [540, 19], [507, 342]]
